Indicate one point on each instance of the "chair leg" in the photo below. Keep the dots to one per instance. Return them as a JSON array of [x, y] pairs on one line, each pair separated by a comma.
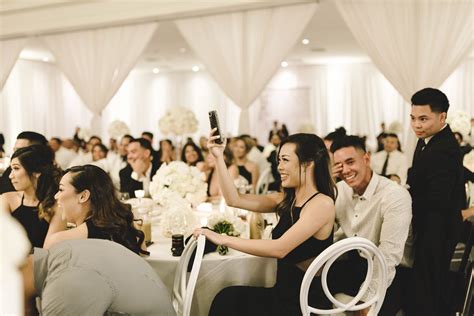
[[468, 300]]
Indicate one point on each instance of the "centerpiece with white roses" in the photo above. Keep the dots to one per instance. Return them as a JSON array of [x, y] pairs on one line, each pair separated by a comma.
[[178, 187]]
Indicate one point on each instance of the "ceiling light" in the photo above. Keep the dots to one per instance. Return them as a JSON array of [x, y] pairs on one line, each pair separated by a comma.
[[156, 70], [45, 59], [305, 41], [284, 64], [195, 68]]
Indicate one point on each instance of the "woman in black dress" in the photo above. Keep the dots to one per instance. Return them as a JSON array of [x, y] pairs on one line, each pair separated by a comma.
[[87, 197], [35, 178], [305, 229]]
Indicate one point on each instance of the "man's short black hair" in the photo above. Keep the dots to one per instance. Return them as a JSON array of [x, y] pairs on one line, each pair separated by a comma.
[[437, 100], [95, 137], [391, 135], [145, 143], [33, 137], [149, 134], [57, 140], [348, 141]]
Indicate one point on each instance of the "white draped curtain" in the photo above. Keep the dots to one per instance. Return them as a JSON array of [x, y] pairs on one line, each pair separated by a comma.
[[243, 50], [9, 51], [38, 97], [415, 44], [96, 62]]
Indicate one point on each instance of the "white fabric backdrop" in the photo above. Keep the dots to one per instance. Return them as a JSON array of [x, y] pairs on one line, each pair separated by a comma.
[[97, 61], [38, 97], [415, 44], [242, 50], [9, 51]]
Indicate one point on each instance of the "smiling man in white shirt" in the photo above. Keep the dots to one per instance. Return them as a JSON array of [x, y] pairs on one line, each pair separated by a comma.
[[375, 208]]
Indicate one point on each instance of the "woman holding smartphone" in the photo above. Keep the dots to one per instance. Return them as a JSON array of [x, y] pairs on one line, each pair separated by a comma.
[[305, 229]]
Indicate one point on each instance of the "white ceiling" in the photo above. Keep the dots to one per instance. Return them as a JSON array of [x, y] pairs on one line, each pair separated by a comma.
[[330, 39]]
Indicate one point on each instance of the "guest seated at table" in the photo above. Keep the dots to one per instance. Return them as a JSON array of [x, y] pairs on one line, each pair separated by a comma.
[[84, 155], [35, 178], [213, 188], [87, 198], [375, 208], [166, 152], [242, 166], [192, 155], [305, 229], [141, 167], [94, 277], [24, 139], [119, 161]]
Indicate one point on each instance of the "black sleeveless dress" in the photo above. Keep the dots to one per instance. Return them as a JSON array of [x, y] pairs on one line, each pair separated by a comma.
[[130, 242], [36, 228], [245, 173], [283, 298]]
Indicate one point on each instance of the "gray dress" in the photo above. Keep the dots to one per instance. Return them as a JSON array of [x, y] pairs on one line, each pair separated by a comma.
[[93, 277]]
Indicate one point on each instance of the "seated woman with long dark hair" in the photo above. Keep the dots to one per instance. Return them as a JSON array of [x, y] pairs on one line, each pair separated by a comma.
[[305, 229], [35, 178], [192, 155], [87, 198]]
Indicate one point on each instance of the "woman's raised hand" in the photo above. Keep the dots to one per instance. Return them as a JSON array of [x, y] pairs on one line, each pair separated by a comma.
[[217, 150]]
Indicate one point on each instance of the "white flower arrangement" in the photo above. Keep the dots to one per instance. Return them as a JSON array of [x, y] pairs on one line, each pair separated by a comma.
[[468, 161], [178, 121], [84, 134], [117, 129], [178, 218], [459, 122], [177, 181], [225, 223]]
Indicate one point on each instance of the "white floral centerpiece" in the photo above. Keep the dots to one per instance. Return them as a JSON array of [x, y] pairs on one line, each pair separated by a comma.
[[84, 134], [178, 180], [178, 121], [117, 129], [459, 122], [178, 218], [469, 161], [225, 223], [178, 187]]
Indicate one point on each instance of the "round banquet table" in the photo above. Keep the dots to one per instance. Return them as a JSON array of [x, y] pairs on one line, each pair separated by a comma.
[[217, 272]]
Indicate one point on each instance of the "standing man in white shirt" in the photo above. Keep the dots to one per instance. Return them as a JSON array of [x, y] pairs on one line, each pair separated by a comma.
[[390, 160], [375, 208]]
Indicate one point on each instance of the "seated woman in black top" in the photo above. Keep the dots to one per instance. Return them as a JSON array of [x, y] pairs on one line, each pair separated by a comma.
[[242, 166], [305, 229], [35, 179], [87, 197]]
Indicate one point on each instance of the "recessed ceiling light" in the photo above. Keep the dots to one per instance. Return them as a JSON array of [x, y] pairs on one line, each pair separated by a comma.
[[182, 50], [156, 70], [195, 68], [305, 41], [284, 64], [45, 59]]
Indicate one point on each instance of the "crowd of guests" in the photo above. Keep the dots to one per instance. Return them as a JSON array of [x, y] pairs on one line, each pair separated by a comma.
[[322, 189]]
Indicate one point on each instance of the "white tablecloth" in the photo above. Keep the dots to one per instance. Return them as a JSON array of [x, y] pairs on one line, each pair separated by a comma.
[[217, 272]]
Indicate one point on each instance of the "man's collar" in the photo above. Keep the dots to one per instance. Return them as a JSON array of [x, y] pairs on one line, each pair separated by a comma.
[[427, 139], [370, 190]]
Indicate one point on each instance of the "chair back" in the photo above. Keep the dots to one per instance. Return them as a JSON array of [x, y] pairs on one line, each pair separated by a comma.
[[326, 258], [183, 287], [263, 181]]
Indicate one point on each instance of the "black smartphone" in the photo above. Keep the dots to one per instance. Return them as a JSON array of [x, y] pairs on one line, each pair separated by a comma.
[[214, 120]]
